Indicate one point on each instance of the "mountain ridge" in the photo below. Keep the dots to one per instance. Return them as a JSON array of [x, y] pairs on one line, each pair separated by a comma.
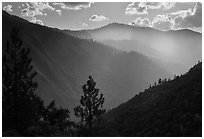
[[180, 47], [64, 63], [110, 24], [170, 108], [136, 27]]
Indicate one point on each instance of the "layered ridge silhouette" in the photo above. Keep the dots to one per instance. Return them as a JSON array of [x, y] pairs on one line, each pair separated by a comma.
[[175, 50], [64, 62]]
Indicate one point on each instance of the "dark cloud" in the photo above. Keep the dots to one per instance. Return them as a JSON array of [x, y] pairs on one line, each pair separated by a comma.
[[73, 5], [98, 18], [190, 19]]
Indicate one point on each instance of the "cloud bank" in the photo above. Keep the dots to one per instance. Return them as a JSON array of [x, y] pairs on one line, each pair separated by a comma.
[[190, 18], [139, 8], [36, 8]]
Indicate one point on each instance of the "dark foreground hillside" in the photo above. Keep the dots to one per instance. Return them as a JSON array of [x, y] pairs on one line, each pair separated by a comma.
[[171, 108]]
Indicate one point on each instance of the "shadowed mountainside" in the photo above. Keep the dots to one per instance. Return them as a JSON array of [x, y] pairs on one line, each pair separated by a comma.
[[64, 62], [172, 108]]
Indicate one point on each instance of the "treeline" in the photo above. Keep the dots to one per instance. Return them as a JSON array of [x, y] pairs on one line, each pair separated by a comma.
[[165, 80], [23, 111], [169, 109]]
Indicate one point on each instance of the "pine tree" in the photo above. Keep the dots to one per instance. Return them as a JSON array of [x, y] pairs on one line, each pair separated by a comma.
[[91, 104], [21, 107], [159, 81]]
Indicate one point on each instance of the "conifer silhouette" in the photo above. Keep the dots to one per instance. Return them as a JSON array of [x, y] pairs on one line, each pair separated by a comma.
[[20, 105], [91, 104]]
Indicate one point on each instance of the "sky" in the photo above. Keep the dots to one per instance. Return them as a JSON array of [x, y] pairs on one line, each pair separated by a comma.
[[88, 15]]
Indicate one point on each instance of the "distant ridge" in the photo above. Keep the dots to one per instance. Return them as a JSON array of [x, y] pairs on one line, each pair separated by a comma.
[[130, 26], [176, 49]]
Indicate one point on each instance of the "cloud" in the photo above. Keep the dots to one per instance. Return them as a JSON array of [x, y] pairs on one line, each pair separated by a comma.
[[73, 5], [84, 24], [8, 8], [152, 5], [158, 5], [36, 21], [144, 22], [136, 8], [59, 11], [182, 13], [197, 29], [139, 8], [98, 18], [36, 8], [190, 18], [162, 22], [168, 5]]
